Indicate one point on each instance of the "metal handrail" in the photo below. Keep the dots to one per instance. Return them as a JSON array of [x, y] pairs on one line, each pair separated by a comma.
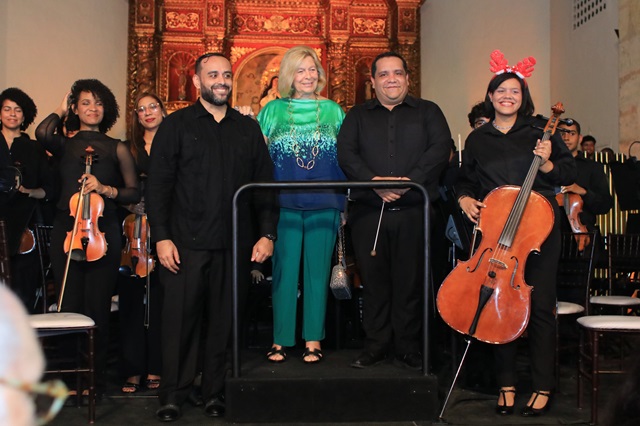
[[426, 365]]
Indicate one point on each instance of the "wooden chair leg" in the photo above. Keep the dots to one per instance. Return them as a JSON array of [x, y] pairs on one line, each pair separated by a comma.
[[92, 376], [581, 366], [594, 375]]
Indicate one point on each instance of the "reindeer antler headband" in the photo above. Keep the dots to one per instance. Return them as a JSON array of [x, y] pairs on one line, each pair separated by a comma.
[[523, 69]]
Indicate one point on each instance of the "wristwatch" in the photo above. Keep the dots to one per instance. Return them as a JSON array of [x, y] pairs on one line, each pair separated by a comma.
[[270, 237]]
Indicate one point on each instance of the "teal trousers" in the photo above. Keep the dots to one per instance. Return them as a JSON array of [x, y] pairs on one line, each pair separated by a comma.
[[309, 235]]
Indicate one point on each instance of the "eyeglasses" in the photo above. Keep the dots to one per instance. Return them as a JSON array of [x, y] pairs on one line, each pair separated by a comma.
[[49, 396], [154, 107], [479, 122]]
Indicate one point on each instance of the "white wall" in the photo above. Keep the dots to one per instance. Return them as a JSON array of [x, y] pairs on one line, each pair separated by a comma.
[[459, 35], [46, 45], [584, 69]]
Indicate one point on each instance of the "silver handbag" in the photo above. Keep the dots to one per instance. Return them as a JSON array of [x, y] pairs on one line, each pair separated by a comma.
[[339, 283]]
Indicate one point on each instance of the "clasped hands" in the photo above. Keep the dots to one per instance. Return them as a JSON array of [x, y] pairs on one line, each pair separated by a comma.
[[390, 195]]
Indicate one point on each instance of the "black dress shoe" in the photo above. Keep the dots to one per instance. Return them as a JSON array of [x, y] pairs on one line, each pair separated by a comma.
[[529, 411], [504, 410], [412, 361], [168, 413], [367, 359], [215, 407]]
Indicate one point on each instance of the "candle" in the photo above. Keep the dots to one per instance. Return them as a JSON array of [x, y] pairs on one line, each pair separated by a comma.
[[459, 149]]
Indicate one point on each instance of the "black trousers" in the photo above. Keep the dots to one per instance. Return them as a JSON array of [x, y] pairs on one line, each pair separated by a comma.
[[540, 272], [140, 347], [197, 308], [90, 285], [393, 279]]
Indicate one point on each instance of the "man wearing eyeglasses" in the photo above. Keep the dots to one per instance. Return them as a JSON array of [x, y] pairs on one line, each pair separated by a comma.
[[478, 116], [591, 184]]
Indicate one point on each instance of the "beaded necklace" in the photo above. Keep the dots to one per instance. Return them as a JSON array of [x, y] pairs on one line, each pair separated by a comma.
[[501, 127], [295, 147]]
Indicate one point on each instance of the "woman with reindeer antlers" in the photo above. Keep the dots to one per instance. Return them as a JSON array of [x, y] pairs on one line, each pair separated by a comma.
[[500, 153]]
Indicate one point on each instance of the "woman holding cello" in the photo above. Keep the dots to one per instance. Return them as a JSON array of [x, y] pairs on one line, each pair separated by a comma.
[[501, 153], [104, 167], [140, 307]]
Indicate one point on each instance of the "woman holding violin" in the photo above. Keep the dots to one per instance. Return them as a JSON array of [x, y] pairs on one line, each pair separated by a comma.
[[501, 153], [105, 169], [27, 162], [140, 307]]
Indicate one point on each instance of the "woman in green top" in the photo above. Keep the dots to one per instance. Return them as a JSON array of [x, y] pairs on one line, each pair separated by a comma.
[[301, 130]]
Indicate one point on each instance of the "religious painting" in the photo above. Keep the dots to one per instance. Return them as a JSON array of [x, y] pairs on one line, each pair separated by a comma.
[[255, 77]]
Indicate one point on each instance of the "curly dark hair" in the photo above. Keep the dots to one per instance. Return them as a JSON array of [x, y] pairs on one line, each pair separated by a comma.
[[101, 92], [24, 101], [477, 111]]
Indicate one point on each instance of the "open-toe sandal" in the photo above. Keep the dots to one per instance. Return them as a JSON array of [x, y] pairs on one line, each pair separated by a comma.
[[130, 387], [152, 384], [276, 351], [310, 352]]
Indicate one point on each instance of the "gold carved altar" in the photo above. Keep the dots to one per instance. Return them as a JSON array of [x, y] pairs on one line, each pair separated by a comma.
[[167, 36]]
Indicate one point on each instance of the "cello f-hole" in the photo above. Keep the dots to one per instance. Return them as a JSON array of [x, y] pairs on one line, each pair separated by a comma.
[[479, 260]]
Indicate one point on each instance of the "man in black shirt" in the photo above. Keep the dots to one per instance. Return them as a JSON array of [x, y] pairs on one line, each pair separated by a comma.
[[591, 183], [201, 155], [392, 137]]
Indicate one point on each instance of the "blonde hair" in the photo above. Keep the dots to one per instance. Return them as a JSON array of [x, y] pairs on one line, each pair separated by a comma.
[[289, 65]]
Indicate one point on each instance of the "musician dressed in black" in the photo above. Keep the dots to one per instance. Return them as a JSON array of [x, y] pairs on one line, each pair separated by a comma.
[[591, 183], [140, 296], [392, 137], [28, 179], [90, 285], [501, 153], [200, 156]]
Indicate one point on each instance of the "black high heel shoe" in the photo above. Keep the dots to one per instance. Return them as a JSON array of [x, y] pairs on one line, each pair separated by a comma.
[[529, 411], [505, 410]]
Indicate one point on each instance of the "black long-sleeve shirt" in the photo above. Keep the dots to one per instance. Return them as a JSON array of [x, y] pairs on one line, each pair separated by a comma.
[[491, 159], [598, 199], [113, 163], [412, 140], [30, 159], [197, 164]]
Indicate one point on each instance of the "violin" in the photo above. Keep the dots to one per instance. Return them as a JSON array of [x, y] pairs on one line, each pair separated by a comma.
[[85, 242], [27, 239], [135, 260], [487, 297], [572, 206], [27, 242]]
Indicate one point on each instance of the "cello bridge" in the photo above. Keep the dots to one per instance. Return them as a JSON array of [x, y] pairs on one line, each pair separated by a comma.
[[500, 264]]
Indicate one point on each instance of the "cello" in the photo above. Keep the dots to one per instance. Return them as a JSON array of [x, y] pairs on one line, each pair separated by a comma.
[[572, 206], [486, 297]]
